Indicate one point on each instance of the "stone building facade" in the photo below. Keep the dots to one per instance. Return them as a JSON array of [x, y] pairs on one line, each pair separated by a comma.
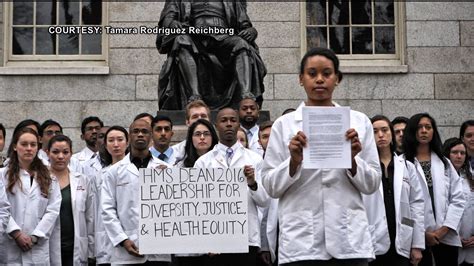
[[438, 73]]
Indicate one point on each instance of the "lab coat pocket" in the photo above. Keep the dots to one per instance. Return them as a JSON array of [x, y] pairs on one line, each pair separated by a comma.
[[404, 237], [297, 233], [355, 233], [40, 252]]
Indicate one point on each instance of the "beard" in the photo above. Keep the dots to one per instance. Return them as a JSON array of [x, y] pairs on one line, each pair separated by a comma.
[[248, 121], [91, 142]]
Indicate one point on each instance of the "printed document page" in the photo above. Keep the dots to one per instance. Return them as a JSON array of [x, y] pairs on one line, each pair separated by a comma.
[[325, 129]]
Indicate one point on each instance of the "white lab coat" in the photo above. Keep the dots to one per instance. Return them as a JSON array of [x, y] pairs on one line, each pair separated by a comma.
[[271, 228], [242, 156], [84, 155], [91, 167], [83, 211], [253, 141], [409, 210], [121, 210], [448, 199], [179, 150], [4, 217], [103, 245], [4, 208], [320, 212], [33, 214], [467, 223]]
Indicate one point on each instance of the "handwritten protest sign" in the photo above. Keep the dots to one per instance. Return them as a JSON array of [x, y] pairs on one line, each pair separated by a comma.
[[193, 210]]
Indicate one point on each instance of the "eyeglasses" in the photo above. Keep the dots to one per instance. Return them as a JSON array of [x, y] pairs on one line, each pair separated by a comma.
[[199, 134], [137, 131], [53, 133], [96, 128]]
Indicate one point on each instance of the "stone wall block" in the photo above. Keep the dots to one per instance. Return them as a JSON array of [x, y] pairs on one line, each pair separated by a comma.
[[13, 112], [439, 10], [119, 112], [276, 107], [454, 86], [147, 87], [368, 107], [445, 112], [135, 11], [68, 114], [135, 61], [432, 33], [273, 11], [62, 88], [268, 82], [386, 86], [287, 86], [281, 60], [441, 60], [467, 33], [278, 34]]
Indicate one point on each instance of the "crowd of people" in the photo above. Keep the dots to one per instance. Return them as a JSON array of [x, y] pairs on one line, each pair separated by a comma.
[[408, 198]]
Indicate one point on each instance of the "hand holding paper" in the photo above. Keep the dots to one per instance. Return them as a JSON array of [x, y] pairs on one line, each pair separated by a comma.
[[297, 143]]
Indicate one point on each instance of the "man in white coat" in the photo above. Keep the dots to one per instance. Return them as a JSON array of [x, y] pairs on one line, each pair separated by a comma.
[[120, 194], [229, 153], [90, 128]]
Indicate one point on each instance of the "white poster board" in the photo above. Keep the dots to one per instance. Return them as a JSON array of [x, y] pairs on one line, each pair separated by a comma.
[[193, 210]]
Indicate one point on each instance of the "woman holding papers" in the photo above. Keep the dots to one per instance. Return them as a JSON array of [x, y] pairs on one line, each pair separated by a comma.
[[322, 218], [442, 188], [35, 200], [455, 149], [402, 197], [76, 216]]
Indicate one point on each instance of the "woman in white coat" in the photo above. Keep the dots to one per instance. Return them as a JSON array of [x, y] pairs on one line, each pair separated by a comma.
[[442, 189], [4, 216], [76, 215], [402, 198], [4, 208], [455, 149], [113, 150], [322, 218], [35, 201]]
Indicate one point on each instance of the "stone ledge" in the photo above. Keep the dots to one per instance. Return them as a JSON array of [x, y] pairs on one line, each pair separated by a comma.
[[63, 70]]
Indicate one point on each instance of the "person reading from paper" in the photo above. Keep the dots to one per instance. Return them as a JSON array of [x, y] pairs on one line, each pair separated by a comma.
[[322, 219]]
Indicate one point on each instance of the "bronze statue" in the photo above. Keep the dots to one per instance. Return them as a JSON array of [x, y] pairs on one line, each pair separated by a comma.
[[211, 54]]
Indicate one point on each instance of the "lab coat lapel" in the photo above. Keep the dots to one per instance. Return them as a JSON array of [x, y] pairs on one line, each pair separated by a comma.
[[73, 182], [397, 182], [220, 159]]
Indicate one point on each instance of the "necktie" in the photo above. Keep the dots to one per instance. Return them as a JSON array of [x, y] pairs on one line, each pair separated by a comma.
[[229, 154], [249, 135], [162, 157]]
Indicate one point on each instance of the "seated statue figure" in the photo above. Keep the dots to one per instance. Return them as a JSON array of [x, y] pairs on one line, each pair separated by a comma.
[[211, 54]]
